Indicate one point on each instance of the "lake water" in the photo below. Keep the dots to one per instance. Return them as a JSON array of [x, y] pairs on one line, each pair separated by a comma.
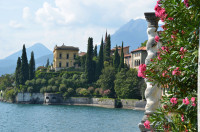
[[62, 118]]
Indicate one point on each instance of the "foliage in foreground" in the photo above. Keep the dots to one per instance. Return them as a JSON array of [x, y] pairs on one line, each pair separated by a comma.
[[175, 68]]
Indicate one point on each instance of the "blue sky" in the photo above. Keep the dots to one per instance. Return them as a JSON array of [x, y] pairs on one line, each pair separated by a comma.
[[52, 22]]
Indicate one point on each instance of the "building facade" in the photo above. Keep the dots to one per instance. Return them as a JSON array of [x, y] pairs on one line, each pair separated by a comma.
[[127, 59], [138, 57], [64, 56], [125, 50]]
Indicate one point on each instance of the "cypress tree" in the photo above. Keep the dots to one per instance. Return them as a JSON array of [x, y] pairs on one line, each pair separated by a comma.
[[89, 69], [24, 67], [95, 51], [100, 61], [47, 62], [32, 67], [18, 72], [121, 65], [116, 60], [107, 49]]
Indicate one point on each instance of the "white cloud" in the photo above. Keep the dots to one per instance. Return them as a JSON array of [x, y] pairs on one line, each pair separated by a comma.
[[15, 24], [26, 13]]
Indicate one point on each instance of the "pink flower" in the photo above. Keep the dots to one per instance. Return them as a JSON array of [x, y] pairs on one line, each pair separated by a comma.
[[165, 48], [182, 49], [176, 71], [173, 100], [147, 124], [193, 104], [186, 101], [170, 18], [141, 71], [182, 118], [163, 74], [159, 58], [186, 3], [157, 38], [172, 36], [193, 99]]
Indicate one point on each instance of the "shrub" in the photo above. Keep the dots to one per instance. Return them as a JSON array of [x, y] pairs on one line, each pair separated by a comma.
[[84, 92], [66, 95], [91, 90], [30, 89], [55, 89], [43, 82], [49, 89], [51, 81], [70, 91], [62, 88]]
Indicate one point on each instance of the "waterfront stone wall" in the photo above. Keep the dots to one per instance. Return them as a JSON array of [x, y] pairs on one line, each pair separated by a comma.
[[52, 99], [133, 104], [30, 98]]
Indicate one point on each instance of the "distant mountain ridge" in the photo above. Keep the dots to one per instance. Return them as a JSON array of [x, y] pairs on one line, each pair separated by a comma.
[[132, 34], [41, 54]]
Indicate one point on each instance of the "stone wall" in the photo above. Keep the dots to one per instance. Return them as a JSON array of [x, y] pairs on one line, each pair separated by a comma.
[[30, 98], [133, 104], [51, 98]]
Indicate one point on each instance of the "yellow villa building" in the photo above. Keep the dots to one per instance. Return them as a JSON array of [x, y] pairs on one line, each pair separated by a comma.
[[64, 57]]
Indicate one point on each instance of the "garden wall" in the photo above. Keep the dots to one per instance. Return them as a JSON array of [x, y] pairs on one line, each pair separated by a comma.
[[35, 98]]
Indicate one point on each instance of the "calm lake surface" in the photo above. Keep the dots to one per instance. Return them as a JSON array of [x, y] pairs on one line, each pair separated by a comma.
[[62, 118]]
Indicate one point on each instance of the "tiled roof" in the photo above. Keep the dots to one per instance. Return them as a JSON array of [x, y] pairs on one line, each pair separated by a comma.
[[64, 47], [119, 48], [82, 53], [141, 48], [127, 55]]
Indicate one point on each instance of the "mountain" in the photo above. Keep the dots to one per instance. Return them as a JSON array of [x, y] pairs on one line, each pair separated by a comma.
[[38, 49], [132, 34], [41, 54]]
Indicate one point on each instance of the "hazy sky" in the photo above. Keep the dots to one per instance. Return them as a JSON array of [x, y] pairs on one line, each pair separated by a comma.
[[71, 22]]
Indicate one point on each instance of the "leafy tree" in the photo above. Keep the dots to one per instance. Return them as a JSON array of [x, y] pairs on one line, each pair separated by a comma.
[[47, 63], [144, 43], [89, 70], [106, 80], [100, 61], [18, 74], [95, 50], [121, 65], [24, 67], [127, 84], [6, 81], [32, 67], [116, 60], [107, 49]]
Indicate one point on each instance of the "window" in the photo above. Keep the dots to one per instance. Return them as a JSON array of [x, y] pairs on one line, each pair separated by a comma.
[[60, 56], [67, 56], [60, 64], [74, 56], [67, 64]]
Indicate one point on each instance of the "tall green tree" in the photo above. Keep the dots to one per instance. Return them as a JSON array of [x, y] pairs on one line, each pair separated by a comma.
[[32, 67], [47, 64], [100, 61], [95, 51], [24, 66], [121, 65], [18, 72], [106, 80], [116, 60], [127, 84], [107, 49], [89, 69]]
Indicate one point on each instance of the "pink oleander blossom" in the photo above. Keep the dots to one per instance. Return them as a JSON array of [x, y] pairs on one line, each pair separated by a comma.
[[193, 104], [141, 71], [173, 100], [186, 101], [182, 118], [182, 52], [147, 124], [165, 48], [176, 71], [193, 99], [157, 38], [186, 3], [171, 18]]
